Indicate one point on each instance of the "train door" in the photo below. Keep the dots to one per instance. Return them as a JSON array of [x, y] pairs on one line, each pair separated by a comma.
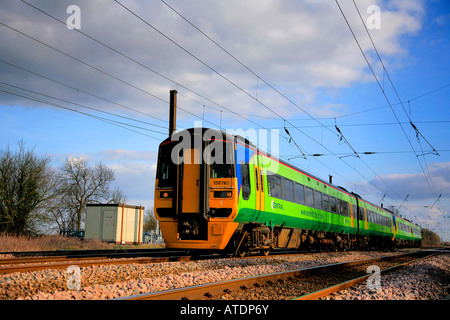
[[257, 192], [365, 218], [351, 211], [394, 227], [192, 224], [191, 181], [259, 189]]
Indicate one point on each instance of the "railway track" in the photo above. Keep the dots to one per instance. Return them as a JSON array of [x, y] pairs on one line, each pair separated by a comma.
[[309, 283], [89, 258], [86, 253], [27, 261]]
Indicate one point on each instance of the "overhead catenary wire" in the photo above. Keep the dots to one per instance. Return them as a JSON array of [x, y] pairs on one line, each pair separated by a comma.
[[81, 90], [6, 85], [50, 103], [258, 77], [390, 80], [429, 182], [268, 84], [102, 71], [354, 113], [138, 61], [361, 153], [246, 92], [150, 69]]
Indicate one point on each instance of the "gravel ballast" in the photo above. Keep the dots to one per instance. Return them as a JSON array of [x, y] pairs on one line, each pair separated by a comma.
[[114, 281], [428, 279]]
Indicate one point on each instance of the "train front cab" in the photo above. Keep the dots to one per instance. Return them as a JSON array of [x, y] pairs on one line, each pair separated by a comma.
[[196, 192]]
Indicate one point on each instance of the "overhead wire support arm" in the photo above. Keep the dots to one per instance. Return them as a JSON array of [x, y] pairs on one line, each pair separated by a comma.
[[417, 135], [292, 139], [345, 140], [436, 201], [403, 201]]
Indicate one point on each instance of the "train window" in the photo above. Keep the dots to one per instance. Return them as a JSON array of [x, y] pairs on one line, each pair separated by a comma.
[[343, 208], [245, 179], [333, 205], [288, 190], [221, 170], [262, 182], [221, 164], [339, 206], [361, 213], [167, 169], [309, 197], [274, 184], [271, 177], [299, 193], [347, 209], [326, 202], [317, 199]]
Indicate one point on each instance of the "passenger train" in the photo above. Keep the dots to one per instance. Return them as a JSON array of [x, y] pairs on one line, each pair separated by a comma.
[[216, 191]]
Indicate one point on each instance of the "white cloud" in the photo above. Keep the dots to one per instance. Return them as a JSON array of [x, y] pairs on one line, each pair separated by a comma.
[[415, 184], [121, 155], [135, 179], [297, 46]]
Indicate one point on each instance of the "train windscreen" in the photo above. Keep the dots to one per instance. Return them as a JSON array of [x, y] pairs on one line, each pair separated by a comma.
[[167, 170], [222, 160]]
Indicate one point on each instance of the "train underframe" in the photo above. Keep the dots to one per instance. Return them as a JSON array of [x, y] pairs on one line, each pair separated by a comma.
[[253, 237]]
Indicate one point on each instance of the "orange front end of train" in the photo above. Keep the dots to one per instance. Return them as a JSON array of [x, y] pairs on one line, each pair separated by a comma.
[[196, 193]]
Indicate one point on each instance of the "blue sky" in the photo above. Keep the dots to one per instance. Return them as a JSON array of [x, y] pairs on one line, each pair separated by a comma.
[[304, 49]]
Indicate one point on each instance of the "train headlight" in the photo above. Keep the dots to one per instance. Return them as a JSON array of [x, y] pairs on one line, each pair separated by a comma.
[[223, 194], [165, 194]]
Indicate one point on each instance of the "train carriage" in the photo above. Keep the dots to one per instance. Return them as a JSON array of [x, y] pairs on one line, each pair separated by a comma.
[[217, 191], [406, 231]]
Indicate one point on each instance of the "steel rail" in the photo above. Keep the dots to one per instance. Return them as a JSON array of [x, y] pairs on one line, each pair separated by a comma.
[[209, 290], [86, 252], [350, 283], [85, 263], [32, 263], [89, 256], [11, 265]]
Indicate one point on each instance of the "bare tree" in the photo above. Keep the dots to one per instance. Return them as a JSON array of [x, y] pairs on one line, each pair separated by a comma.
[[150, 222], [80, 185], [27, 185]]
